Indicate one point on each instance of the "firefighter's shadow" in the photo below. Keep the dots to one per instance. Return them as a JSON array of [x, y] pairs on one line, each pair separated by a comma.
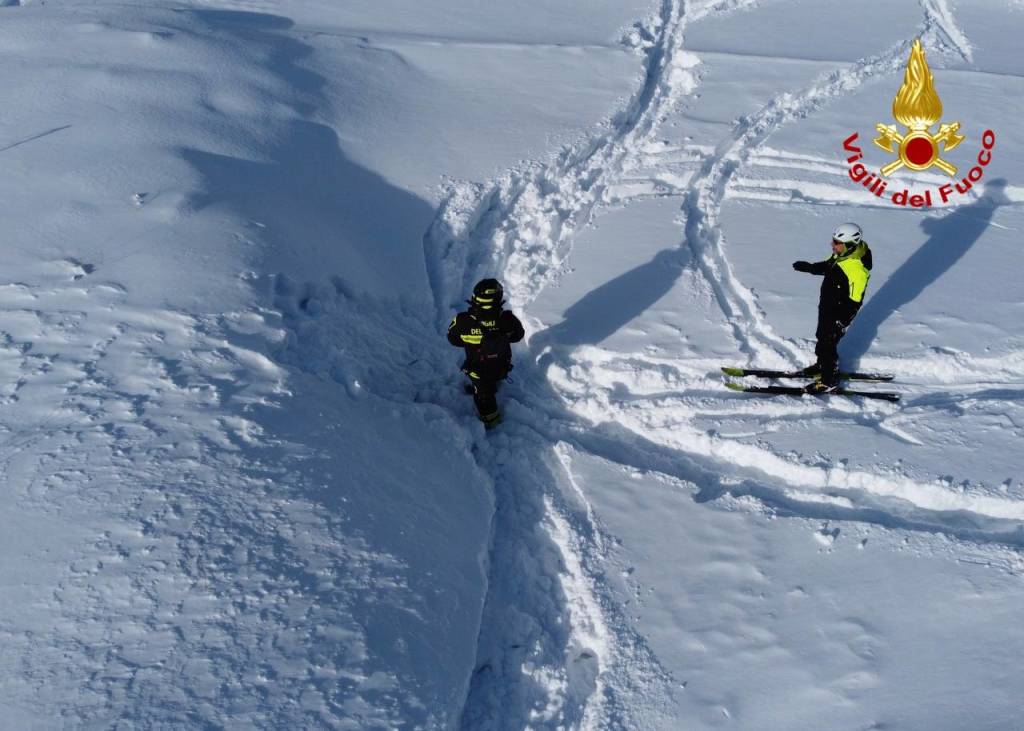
[[949, 238], [603, 311]]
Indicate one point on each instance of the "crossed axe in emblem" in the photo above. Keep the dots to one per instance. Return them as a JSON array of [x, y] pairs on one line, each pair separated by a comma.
[[947, 134]]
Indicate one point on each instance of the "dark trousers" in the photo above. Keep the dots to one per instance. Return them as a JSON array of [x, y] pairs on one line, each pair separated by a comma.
[[484, 396], [830, 331]]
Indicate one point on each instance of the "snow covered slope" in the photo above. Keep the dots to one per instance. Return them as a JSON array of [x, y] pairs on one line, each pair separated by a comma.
[[243, 487]]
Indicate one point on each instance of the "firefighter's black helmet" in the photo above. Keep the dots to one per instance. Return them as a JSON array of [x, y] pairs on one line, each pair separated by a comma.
[[488, 294]]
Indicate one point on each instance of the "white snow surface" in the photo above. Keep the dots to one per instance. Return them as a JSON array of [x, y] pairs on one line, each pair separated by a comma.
[[243, 487]]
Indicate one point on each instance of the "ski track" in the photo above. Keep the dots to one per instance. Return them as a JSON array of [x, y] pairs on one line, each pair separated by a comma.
[[550, 651], [664, 419], [523, 227]]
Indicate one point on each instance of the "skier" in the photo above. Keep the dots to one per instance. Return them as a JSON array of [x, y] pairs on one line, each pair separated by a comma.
[[846, 275], [486, 330]]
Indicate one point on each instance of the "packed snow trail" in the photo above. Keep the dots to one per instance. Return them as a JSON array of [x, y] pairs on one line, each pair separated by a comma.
[[707, 191], [551, 652], [705, 194]]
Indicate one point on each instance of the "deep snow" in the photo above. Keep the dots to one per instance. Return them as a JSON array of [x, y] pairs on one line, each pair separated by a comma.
[[243, 487]]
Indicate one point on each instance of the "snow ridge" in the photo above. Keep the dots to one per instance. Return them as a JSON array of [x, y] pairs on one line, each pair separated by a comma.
[[554, 651], [542, 640], [550, 652], [940, 21]]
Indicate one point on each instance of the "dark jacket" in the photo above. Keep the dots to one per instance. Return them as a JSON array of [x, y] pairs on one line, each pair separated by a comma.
[[468, 329], [845, 283]]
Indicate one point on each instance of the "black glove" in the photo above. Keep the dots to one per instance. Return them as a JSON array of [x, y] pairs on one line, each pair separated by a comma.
[[802, 266]]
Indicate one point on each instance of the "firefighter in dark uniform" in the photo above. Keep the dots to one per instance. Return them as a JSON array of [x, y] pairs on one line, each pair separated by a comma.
[[485, 331], [846, 275]]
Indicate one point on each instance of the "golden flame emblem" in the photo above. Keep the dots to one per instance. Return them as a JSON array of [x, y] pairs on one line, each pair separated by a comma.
[[917, 107]]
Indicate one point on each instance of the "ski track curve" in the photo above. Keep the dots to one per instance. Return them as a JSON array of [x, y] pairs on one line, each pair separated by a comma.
[[708, 189], [704, 196], [650, 429]]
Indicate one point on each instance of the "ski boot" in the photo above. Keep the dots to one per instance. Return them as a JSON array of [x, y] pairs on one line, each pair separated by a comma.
[[811, 371], [817, 388], [491, 420]]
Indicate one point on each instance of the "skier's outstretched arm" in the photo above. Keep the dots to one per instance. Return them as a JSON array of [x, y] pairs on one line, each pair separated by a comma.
[[819, 267]]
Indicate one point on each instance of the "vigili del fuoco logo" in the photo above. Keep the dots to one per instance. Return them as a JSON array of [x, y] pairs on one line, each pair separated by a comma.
[[917, 107]]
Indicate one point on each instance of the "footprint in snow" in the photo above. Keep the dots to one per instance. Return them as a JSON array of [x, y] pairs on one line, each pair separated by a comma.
[[826, 535], [78, 269]]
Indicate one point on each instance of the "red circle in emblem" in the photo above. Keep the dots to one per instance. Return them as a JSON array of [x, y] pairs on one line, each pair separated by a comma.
[[920, 151]]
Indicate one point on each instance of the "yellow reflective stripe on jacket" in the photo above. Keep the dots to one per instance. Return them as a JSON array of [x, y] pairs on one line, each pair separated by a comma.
[[857, 275], [471, 339]]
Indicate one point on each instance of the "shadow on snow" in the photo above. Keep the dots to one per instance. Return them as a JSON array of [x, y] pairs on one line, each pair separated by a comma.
[[603, 311], [949, 238], [320, 213]]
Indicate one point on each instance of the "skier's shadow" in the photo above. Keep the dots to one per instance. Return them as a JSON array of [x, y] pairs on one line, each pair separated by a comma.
[[949, 238]]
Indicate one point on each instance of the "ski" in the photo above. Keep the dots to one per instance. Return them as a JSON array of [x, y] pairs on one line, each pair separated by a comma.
[[764, 373], [798, 391]]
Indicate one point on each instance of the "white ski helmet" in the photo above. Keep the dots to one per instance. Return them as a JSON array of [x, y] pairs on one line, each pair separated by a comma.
[[848, 234]]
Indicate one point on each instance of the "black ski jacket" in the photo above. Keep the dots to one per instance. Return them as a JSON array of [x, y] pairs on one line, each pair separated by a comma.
[[468, 329], [845, 283]]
